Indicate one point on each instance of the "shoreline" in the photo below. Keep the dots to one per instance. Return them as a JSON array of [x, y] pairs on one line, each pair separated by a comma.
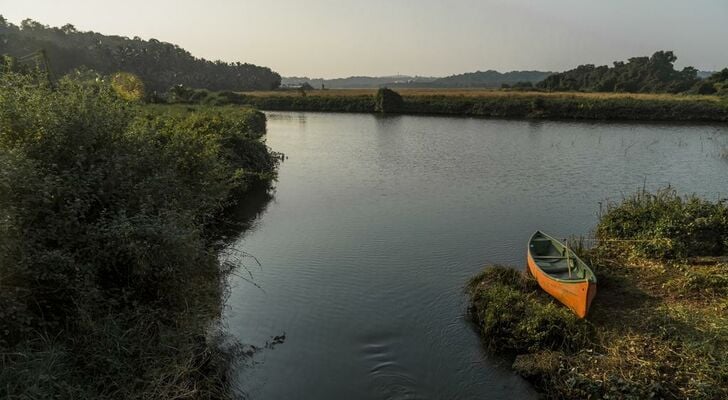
[[566, 106]]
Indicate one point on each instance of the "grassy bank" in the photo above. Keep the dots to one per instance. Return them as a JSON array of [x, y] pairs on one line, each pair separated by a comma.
[[111, 283], [492, 103], [658, 327]]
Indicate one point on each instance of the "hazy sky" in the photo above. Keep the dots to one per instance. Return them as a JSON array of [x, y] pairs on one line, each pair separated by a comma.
[[336, 38]]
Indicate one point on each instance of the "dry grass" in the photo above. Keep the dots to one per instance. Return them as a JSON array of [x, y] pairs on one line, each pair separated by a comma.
[[483, 93]]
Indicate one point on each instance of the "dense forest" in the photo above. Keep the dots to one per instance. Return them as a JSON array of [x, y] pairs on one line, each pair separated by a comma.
[[655, 74], [160, 65]]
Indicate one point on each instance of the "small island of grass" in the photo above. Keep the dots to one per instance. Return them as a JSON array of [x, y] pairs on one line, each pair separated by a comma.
[[658, 327]]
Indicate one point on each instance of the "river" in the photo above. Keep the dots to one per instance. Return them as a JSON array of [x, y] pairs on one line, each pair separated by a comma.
[[377, 222]]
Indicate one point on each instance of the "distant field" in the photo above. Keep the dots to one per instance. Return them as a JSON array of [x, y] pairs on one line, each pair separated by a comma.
[[483, 93]]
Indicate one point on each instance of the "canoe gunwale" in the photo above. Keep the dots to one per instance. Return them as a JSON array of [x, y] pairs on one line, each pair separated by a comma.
[[589, 276]]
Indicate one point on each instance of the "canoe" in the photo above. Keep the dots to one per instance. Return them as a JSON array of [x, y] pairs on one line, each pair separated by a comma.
[[561, 273]]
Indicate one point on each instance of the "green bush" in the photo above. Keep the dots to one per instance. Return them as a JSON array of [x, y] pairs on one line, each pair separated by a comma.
[[666, 225], [109, 273], [387, 101]]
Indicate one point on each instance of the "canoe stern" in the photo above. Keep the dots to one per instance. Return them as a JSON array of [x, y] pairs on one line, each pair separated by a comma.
[[577, 296]]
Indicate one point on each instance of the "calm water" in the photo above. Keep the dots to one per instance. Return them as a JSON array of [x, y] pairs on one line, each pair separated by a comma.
[[377, 223]]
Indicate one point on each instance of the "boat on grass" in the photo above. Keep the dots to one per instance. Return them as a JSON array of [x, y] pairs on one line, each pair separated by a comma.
[[561, 273]]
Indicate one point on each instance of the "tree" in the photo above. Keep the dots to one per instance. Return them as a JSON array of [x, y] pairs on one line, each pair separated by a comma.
[[68, 29], [639, 74]]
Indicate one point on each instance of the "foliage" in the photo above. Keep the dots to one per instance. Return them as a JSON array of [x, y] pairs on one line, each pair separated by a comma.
[[128, 86], [654, 74], [716, 83], [666, 225], [387, 101], [105, 216], [159, 65]]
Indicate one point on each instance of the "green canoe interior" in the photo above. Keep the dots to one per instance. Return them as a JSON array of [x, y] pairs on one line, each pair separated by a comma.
[[556, 260]]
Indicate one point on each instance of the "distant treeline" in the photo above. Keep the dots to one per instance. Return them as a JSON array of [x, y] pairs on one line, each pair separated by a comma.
[[480, 79], [655, 74], [355, 82], [160, 65]]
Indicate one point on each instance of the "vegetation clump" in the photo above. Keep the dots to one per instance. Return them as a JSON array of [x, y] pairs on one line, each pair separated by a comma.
[[387, 101], [666, 225], [657, 328], [110, 281]]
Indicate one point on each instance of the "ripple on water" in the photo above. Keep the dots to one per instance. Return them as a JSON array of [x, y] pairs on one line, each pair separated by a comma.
[[390, 379]]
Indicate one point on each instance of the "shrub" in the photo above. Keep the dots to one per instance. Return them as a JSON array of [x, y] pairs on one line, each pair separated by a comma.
[[387, 101], [104, 210], [666, 225]]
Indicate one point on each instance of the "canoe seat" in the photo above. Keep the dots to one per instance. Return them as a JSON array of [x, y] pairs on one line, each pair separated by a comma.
[[543, 264], [554, 270]]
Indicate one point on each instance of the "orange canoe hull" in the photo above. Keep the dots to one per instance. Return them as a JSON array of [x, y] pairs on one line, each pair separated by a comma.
[[577, 296]]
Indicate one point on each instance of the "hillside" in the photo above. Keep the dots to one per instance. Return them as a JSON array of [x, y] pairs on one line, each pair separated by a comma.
[[160, 65], [480, 79], [356, 82]]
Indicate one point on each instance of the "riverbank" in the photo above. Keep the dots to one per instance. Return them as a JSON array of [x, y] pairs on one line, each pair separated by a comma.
[[491, 103], [659, 323], [112, 219]]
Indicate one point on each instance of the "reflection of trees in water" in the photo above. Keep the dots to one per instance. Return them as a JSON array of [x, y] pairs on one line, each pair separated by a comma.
[[227, 353], [242, 215], [299, 117]]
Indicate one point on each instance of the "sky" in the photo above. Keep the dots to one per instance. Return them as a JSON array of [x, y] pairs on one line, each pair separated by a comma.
[[339, 38]]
